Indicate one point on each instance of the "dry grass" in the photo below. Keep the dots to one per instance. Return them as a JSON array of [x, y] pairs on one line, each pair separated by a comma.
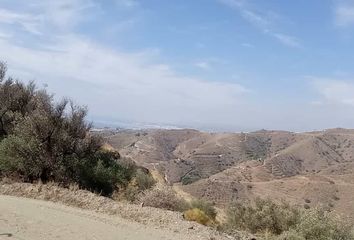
[[75, 197], [205, 207], [163, 197], [198, 216]]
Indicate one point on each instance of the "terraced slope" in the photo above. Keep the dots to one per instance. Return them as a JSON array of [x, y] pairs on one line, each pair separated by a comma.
[[305, 168]]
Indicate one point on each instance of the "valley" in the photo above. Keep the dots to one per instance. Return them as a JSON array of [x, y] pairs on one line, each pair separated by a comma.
[[307, 169]]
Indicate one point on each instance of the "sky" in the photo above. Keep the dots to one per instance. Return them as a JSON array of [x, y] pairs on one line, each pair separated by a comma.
[[217, 65]]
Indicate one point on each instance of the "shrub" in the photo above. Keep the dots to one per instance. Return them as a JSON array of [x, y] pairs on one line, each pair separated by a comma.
[[44, 140], [189, 179], [163, 197], [285, 222], [144, 180], [204, 206], [98, 171], [102, 173], [318, 224], [141, 181], [131, 192], [16, 101], [262, 216], [18, 156], [197, 215], [289, 235]]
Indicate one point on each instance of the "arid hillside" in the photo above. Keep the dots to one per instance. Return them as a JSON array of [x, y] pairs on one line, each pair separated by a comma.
[[309, 169]]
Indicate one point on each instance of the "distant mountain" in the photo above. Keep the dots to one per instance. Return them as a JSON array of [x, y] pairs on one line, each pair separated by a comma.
[[132, 125]]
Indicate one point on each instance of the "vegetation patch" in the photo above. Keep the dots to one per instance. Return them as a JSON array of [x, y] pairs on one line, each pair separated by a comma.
[[198, 216], [262, 216], [204, 206], [283, 221], [162, 197], [141, 181], [189, 179], [43, 140]]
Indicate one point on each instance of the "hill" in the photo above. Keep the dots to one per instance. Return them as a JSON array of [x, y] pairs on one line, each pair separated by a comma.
[[309, 169]]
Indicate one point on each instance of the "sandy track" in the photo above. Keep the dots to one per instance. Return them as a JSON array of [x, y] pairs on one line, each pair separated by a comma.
[[28, 219]]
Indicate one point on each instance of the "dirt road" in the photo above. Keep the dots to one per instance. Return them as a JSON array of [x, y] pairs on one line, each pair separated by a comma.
[[28, 219]]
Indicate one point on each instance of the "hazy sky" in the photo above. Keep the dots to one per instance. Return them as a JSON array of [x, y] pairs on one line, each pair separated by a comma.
[[209, 64]]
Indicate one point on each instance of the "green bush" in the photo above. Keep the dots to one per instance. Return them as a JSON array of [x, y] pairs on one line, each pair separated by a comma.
[[284, 222], [189, 179], [144, 180], [27, 160], [17, 100], [141, 181], [318, 224], [18, 156], [50, 141], [101, 173], [262, 216]]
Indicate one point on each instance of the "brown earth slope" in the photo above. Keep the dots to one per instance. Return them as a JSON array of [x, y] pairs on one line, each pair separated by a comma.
[[304, 168]]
